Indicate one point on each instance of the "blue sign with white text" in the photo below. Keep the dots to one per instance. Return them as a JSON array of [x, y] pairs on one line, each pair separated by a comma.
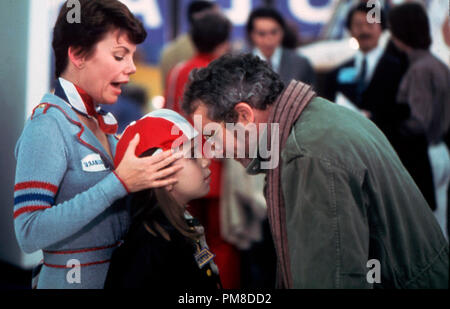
[[308, 16]]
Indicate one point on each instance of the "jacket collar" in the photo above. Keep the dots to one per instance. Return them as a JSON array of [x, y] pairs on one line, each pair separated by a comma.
[[295, 91], [275, 60], [83, 103], [417, 54]]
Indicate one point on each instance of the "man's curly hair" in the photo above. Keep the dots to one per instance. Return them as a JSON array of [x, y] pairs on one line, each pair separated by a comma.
[[229, 80]]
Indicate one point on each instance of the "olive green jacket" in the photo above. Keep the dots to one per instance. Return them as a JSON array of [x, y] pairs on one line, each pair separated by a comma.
[[349, 200]]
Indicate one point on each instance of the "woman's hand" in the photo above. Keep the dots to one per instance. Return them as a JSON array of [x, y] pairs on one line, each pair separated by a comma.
[[149, 172]]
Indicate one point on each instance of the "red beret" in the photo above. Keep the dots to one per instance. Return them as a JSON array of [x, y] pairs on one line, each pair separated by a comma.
[[163, 129]]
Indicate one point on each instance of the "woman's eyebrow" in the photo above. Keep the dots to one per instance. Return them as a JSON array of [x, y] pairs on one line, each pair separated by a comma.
[[123, 47]]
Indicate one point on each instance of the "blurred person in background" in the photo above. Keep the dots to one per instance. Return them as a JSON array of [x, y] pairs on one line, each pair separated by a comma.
[[446, 35], [266, 29], [68, 192], [210, 34], [291, 39], [370, 82], [183, 48], [426, 89]]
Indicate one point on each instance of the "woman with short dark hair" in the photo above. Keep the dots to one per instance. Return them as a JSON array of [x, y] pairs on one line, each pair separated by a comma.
[[68, 192]]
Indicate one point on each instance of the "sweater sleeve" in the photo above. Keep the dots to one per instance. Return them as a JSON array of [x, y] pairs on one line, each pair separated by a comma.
[[42, 161]]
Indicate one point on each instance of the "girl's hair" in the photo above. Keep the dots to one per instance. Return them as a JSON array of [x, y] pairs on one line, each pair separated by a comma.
[[145, 206]]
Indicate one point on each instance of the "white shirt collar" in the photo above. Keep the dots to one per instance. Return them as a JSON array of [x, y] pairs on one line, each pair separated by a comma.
[[275, 59], [372, 58]]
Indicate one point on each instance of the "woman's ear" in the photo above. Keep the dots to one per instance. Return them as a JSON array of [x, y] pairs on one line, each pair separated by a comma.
[[76, 58], [245, 113]]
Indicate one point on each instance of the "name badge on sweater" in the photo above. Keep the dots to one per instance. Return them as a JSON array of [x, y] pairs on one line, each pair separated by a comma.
[[93, 163]]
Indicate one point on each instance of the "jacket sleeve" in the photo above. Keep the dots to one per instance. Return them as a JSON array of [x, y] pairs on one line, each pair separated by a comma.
[[420, 95], [327, 226], [42, 161]]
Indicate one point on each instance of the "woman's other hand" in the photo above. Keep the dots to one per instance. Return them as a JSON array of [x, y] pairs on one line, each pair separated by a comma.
[[149, 172]]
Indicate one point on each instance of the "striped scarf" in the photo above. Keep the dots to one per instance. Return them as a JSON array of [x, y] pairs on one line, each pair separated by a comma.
[[286, 110], [82, 103]]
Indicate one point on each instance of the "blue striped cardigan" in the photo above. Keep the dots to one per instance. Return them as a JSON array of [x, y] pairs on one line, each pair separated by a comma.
[[67, 199]]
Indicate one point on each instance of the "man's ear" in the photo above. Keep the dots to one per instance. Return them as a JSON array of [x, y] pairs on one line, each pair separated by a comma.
[[245, 113], [76, 58]]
